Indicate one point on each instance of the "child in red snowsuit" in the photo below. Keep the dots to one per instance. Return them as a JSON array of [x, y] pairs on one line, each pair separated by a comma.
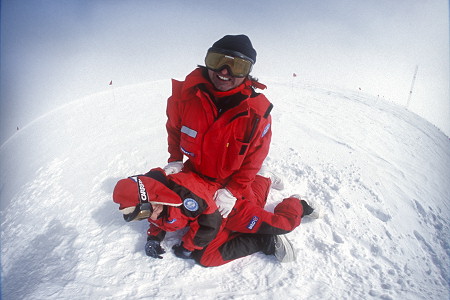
[[187, 200]]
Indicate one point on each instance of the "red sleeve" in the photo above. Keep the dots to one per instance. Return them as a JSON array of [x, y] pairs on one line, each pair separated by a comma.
[[250, 218], [202, 231], [198, 208], [257, 153], [173, 124], [287, 215], [156, 233]]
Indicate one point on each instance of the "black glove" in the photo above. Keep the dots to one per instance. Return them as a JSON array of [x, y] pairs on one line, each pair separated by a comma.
[[154, 249], [307, 210], [181, 252]]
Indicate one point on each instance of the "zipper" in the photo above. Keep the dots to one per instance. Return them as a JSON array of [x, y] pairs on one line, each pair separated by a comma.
[[253, 131]]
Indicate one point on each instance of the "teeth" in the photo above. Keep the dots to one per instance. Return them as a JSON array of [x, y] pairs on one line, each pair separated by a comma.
[[223, 78]]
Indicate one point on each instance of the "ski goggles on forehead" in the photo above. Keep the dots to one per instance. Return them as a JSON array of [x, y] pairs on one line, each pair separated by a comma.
[[238, 64], [144, 209]]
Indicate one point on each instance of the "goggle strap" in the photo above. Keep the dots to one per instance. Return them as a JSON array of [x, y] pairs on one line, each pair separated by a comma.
[[143, 205], [142, 192]]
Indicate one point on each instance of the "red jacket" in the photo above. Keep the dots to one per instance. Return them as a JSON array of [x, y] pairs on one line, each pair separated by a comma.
[[194, 208], [228, 147]]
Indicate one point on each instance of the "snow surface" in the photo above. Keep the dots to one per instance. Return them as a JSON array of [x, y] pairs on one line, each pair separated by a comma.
[[379, 173]]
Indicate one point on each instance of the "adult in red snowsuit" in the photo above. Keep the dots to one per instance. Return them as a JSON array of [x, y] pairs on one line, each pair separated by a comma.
[[188, 201], [219, 122], [228, 147]]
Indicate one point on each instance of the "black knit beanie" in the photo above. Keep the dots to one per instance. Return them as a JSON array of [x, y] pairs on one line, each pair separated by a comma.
[[239, 43]]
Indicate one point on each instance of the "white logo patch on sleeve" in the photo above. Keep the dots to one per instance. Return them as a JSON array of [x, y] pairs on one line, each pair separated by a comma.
[[266, 129]]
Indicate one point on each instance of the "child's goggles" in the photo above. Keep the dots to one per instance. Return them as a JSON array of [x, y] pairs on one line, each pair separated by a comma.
[[238, 64], [144, 209]]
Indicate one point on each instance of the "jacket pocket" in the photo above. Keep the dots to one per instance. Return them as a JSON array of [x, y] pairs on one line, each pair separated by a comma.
[[234, 155], [237, 146], [190, 144]]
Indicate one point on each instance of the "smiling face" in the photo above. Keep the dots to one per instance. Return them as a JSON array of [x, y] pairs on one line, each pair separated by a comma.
[[223, 81]]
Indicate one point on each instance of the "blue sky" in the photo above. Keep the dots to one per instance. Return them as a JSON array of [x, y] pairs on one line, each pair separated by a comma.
[[54, 52]]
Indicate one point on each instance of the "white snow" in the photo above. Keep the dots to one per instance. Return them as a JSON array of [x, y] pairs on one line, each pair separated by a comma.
[[379, 173]]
